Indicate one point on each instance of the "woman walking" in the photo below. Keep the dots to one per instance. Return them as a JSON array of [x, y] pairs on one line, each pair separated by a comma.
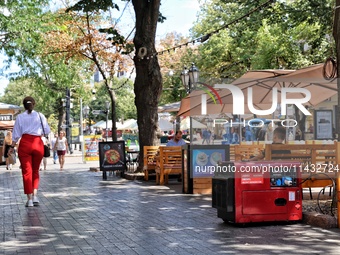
[[30, 126], [62, 148]]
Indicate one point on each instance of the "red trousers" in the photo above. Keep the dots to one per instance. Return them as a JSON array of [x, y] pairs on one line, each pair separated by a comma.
[[30, 154]]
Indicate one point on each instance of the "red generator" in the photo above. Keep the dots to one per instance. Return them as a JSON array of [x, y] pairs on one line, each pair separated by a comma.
[[261, 191]]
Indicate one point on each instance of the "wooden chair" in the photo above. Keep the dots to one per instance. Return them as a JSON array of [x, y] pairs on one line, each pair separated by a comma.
[[169, 161], [149, 160]]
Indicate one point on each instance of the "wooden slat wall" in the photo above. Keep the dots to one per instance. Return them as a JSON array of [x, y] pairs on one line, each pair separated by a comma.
[[202, 186]]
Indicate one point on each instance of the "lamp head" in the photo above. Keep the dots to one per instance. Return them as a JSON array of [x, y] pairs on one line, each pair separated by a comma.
[[193, 73], [185, 77], [86, 110], [107, 105]]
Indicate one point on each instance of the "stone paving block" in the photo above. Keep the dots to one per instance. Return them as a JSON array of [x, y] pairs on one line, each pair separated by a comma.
[[82, 214]]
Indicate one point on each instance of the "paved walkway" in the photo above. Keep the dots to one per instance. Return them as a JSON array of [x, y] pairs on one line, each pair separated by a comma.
[[80, 213]]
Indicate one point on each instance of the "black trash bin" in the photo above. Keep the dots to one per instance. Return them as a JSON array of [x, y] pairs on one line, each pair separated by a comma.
[[164, 139]]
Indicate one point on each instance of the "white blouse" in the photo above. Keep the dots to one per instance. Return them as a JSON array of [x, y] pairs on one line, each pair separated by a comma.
[[61, 144], [30, 124]]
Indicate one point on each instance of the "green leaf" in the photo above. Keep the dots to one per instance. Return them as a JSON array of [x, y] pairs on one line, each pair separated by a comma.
[[93, 5]]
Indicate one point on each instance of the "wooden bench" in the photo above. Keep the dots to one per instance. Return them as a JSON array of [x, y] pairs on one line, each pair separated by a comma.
[[149, 161], [169, 161], [315, 158]]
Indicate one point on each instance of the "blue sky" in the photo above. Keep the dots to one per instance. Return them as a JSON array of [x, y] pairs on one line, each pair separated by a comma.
[[180, 15]]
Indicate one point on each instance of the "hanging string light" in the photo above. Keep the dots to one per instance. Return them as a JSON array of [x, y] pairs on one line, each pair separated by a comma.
[[126, 81], [206, 37]]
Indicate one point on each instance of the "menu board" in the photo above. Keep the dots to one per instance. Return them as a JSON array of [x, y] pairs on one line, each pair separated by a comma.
[[112, 156], [323, 124], [206, 158]]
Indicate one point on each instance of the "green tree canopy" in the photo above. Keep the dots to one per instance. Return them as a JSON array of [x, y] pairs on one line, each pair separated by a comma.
[[287, 34]]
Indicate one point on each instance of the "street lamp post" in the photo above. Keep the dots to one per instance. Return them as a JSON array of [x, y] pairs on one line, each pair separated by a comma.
[[107, 106], [190, 78], [81, 136], [86, 111], [177, 122], [68, 106]]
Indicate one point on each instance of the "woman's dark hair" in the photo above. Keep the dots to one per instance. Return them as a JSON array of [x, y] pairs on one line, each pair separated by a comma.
[[29, 103]]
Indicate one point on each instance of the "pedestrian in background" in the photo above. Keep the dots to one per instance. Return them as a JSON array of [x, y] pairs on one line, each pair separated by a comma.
[[55, 154], [62, 148], [5, 148], [206, 136], [43, 163], [235, 136], [30, 126]]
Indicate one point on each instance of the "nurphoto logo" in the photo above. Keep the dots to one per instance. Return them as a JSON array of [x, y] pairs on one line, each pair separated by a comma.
[[239, 101]]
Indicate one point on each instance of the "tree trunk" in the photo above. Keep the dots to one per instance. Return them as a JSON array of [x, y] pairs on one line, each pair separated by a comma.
[[148, 82], [113, 114]]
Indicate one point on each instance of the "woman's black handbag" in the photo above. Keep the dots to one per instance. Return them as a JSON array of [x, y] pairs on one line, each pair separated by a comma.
[[47, 152]]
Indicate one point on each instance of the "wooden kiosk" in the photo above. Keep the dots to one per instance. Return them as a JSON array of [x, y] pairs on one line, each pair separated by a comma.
[[7, 116]]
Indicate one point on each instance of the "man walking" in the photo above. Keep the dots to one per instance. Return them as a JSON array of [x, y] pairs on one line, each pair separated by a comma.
[[55, 154]]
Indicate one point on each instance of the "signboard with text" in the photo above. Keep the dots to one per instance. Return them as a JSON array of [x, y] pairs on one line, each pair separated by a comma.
[[6, 117], [91, 147], [323, 124]]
